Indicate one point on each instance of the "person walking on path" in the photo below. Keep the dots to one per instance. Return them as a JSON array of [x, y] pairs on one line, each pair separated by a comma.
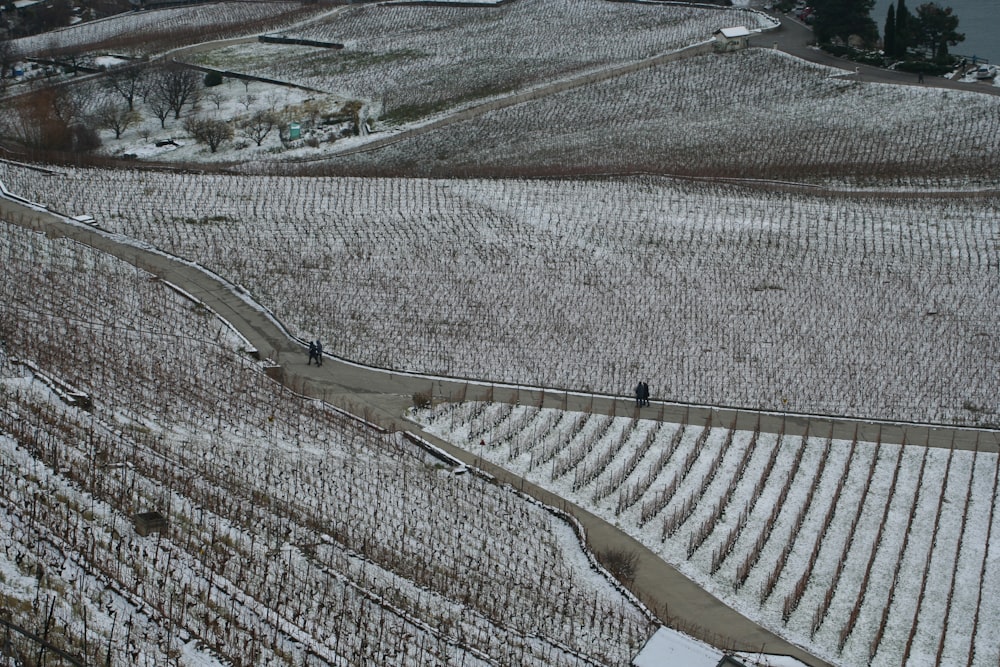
[[319, 353], [645, 393], [312, 354], [638, 395]]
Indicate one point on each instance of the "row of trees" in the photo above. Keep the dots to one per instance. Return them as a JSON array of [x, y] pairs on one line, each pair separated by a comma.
[[67, 118], [925, 35], [930, 32]]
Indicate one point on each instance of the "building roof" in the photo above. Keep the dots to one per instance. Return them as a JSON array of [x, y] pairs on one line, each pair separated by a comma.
[[732, 33], [668, 647]]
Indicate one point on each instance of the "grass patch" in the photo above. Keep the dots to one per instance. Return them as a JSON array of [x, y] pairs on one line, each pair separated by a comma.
[[407, 113]]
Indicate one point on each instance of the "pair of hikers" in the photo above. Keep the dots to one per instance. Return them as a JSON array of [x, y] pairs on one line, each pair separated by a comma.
[[641, 394], [315, 353]]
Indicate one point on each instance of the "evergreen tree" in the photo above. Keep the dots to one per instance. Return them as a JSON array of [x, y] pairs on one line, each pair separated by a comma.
[[840, 19], [889, 38], [903, 35], [936, 30]]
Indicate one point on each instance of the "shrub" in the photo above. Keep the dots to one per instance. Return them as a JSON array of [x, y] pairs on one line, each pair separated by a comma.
[[213, 79], [855, 55], [84, 137], [621, 563], [421, 399], [933, 69], [209, 131]]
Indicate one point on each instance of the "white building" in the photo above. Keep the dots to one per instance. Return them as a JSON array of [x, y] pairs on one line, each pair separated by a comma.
[[731, 39]]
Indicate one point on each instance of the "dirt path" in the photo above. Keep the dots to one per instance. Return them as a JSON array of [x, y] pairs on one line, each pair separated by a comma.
[[182, 51]]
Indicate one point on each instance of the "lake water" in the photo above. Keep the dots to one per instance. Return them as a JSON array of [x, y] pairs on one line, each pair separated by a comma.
[[978, 19]]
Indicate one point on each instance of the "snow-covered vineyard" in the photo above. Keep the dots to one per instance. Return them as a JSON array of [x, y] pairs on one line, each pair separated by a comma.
[[857, 305], [758, 114], [862, 552], [145, 33], [294, 534], [709, 117], [408, 60], [509, 193]]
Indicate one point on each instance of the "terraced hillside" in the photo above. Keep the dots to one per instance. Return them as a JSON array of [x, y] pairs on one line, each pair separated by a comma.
[[862, 552], [294, 533], [865, 305]]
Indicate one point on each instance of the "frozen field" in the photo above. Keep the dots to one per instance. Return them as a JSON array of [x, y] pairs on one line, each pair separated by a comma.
[[861, 305], [296, 534], [864, 554]]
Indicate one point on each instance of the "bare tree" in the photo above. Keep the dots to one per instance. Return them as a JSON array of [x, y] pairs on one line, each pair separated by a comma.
[[129, 82], [271, 101], [52, 119], [35, 123], [176, 85], [215, 97], [68, 57], [159, 105], [68, 104], [209, 131], [354, 108], [115, 117], [257, 126], [248, 101], [9, 56]]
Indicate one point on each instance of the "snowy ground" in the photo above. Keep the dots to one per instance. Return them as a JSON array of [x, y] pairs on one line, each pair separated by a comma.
[[146, 32], [880, 307], [854, 304], [793, 120], [296, 534], [233, 102], [861, 553], [407, 61], [759, 114]]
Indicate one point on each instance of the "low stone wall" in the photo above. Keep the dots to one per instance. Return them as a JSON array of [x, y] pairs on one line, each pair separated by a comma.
[[280, 39]]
